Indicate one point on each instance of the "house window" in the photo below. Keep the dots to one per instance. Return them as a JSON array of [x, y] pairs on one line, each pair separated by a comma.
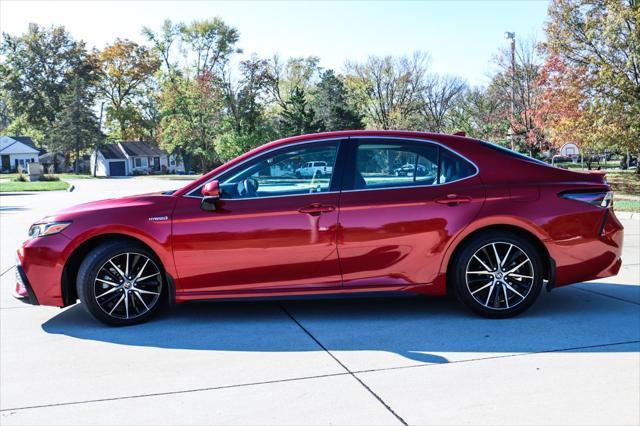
[[140, 162]]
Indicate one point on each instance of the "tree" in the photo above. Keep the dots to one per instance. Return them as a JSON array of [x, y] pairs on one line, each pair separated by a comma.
[[76, 128], [124, 69], [245, 125], [212, 42], [163, 43], [601, 39], [297, 117], [191, 118], [439, 97], [480, 113], [37, 69], [331, 106], [526, 131], [295, 73], [389, 89]]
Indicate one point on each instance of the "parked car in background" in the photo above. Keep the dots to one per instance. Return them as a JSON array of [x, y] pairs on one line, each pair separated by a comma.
[[314, 168], [408, 170], [492, 227]]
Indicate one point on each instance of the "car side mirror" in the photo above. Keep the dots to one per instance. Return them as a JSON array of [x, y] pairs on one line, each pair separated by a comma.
[[210, 196]]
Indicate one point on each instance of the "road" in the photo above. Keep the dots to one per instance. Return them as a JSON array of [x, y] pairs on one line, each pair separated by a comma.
[[573, 358]]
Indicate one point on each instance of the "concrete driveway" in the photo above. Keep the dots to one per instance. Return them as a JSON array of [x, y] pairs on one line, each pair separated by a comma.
[[574, 358]]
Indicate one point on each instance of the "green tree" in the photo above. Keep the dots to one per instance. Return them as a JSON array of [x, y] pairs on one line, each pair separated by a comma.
[[297, 117], [125, 68], [76, 127], [331, 106], [191, 114], [211, 42], [37, 69]]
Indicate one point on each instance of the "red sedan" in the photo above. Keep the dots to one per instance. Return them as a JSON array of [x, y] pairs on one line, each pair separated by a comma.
[[390, 212]]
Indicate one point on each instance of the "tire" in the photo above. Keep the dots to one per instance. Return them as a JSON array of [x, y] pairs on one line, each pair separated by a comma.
[[495, 291], [112, 298]]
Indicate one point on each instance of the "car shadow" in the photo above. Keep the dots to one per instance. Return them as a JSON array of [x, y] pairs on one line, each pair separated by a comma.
[[417, 328]]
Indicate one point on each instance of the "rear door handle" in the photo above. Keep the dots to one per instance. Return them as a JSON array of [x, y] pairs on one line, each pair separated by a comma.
[[315, 209], [453, 199]]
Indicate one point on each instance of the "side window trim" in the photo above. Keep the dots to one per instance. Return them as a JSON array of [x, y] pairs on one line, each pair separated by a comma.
[[333, 183], [352, 158]]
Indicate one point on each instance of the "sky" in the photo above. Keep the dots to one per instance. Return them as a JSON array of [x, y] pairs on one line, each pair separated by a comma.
[[460, 36]]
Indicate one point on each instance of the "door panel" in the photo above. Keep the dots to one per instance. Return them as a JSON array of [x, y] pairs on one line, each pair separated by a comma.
[[256, 244], [271, 230], [398, 236]]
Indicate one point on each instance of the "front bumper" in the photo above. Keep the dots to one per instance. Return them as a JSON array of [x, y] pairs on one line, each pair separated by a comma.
[[24, 291]]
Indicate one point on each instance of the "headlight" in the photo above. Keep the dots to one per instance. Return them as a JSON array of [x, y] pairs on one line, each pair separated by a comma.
[[44, 229]]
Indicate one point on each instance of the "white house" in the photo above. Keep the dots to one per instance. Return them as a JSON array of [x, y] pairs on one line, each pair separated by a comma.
[[126, 158], [17, 151]]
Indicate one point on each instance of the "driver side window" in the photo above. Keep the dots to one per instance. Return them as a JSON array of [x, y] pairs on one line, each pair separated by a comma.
[[304, 169]]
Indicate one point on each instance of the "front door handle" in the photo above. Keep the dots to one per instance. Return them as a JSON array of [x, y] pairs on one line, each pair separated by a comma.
[[316, 209], [453, 199]]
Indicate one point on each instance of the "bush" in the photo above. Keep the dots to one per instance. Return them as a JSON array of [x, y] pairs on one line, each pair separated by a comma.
[[22, 177], [138, 172], [48, 178]]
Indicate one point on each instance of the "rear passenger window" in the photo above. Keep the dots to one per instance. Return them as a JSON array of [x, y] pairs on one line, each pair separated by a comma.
[[397, 164], [380, 165]]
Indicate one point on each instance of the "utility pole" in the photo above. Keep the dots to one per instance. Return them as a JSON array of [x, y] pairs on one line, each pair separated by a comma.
[[512, 36], [95, 162]]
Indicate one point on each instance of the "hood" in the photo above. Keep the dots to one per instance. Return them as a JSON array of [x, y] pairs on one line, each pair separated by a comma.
[[134, 202]]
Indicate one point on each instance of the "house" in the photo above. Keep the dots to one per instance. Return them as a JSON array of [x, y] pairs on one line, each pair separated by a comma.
[[17, 151], [128, 158]]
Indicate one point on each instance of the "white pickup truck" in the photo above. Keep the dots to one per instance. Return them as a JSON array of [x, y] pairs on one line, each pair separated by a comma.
[[314, 169]]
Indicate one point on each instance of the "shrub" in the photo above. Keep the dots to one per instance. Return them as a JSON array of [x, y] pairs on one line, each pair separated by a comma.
[[22, 177], [48, 178]]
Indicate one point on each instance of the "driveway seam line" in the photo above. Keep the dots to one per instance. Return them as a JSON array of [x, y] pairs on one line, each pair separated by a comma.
[[148, 395], [606, 295], [293, 379], [7, 270], [375, 395]]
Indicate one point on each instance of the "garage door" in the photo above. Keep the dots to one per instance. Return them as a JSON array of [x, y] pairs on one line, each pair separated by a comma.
[[116, 168]]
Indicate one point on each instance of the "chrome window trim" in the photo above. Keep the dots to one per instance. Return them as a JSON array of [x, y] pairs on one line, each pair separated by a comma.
[[346, 138], [199, 187]]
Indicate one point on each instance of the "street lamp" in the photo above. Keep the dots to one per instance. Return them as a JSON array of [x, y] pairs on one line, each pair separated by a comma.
[[509, 35]]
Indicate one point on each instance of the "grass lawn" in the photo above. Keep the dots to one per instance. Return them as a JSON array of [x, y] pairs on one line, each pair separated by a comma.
[[11, 186], [624, 182]]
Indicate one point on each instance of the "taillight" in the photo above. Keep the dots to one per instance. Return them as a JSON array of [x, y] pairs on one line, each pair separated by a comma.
[[597, 198]]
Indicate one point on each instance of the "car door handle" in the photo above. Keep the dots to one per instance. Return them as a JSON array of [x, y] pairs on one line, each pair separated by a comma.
[[315, 209], [453, 199]]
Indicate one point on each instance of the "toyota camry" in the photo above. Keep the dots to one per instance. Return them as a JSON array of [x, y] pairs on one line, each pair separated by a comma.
[[465, 217]]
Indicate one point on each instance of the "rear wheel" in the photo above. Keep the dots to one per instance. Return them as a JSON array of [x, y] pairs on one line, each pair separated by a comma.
[[120, 283], [498, 274]]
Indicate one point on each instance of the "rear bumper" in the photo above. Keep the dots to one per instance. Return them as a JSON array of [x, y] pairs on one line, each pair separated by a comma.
[[589, 258], [23, 291]]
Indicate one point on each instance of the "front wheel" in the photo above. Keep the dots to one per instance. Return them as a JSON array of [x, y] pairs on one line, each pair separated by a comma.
[[498, 274], [120, 283]]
